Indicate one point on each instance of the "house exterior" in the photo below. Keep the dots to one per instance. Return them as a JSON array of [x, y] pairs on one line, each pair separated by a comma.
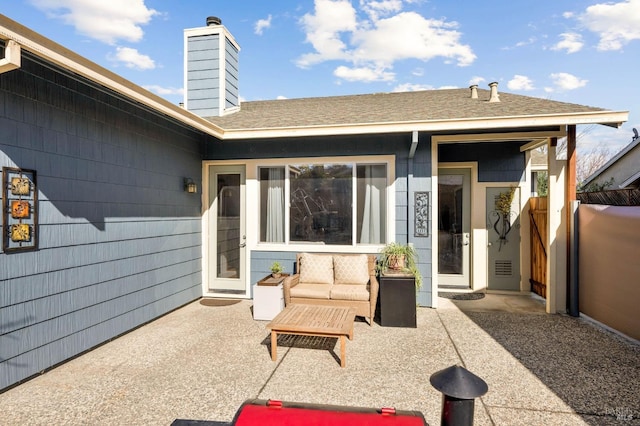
[[622, 171], [112, 238]]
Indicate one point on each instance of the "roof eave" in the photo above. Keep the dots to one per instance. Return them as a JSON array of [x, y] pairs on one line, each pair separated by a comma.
[[607, 118], [66, 59]]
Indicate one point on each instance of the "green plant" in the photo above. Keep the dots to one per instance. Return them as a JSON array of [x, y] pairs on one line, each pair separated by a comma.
[[400, 257], [276, 268]]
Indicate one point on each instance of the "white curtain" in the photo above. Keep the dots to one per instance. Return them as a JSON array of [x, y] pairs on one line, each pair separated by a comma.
[[275, 206], [370, 232]]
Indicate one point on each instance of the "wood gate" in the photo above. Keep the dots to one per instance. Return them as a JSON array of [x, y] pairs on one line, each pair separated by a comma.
[[539, 240]]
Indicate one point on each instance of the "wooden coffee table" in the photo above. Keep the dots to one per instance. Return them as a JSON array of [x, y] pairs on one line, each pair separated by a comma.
[[313, 320]]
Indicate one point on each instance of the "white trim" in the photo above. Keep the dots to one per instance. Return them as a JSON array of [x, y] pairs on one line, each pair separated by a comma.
[[624, 151], [252, 223], [457, 124], [629, 181], [65, 58], [557, 231], [12, 58], [476, 218]]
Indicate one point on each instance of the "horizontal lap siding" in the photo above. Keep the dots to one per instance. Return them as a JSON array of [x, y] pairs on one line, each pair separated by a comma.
[[406, 183], [119, 238]]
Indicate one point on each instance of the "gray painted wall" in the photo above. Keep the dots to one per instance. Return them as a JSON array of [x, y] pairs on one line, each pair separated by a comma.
[[206, 73], [497, 161], [119, 239], [411, 175]]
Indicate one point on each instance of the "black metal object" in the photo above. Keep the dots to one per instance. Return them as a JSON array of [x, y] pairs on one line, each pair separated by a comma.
[[459, 388], [397, 301]]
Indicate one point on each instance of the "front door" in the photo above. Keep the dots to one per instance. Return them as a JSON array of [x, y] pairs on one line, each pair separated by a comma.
[[227, 236], [503, 234], [454, 227]]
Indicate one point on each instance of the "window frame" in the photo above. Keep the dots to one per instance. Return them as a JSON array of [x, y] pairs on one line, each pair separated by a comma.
[[254, 198]]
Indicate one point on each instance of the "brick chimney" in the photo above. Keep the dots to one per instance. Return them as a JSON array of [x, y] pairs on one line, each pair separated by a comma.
[[210, 69]]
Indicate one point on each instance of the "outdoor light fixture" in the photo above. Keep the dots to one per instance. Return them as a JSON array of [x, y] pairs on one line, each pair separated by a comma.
[[190, 186]]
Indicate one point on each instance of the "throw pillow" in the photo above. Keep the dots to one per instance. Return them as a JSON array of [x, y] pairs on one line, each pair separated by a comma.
[[350, 269], [316, 269]]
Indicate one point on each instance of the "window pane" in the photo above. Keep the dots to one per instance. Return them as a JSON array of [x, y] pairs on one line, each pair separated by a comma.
[[321, 202], [371, 204], [272, 204]]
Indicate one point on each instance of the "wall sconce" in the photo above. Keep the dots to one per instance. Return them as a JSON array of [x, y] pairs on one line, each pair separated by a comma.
[[190, 186]]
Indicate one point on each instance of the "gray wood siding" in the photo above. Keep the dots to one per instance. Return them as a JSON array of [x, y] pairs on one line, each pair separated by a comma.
[[119, 238], [231, 75], [203, 74], [497, 161], [406, 180]]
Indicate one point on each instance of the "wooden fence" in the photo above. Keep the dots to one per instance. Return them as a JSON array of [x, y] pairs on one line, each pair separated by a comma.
[[614, 197], [539, 240]]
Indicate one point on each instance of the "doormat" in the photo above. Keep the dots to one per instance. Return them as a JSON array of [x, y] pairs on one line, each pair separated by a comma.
[[218, 302], [461, 296]]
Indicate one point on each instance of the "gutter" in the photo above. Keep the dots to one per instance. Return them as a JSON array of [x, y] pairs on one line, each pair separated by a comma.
[[607, 118]]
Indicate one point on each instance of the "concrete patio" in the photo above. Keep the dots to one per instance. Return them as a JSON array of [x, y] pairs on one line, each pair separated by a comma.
[[201, 362]]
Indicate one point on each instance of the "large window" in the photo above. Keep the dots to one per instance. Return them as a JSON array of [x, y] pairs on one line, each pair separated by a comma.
[[336, 204]]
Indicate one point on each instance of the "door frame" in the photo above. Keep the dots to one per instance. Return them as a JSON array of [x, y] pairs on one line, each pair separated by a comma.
[[452, 279], [208, 271], [477, 270]]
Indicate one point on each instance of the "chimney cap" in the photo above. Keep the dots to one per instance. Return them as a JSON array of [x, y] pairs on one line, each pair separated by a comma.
[[213, 20]]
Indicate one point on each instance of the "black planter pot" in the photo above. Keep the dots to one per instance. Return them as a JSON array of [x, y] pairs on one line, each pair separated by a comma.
[[397, 300]]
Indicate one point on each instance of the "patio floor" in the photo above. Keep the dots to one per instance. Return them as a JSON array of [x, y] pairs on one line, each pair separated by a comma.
[[201, 362]]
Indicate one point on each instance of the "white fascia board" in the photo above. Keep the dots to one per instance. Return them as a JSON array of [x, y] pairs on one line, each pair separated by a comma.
[[210, 30], [612, 161], [11, 60], [65, 58], [481, 123], [629, 181]]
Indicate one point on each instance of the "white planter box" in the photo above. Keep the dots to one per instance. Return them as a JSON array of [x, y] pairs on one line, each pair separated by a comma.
[[268, 301]]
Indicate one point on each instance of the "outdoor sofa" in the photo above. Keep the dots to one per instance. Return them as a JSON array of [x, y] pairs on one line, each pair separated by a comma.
[[334, 279]]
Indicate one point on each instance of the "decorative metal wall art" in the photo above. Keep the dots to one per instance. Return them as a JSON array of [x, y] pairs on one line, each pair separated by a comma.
[[19, 209], [502, 215], [421, 216]]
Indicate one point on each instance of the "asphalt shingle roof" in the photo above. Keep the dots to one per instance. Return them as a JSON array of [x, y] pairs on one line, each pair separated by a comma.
[[386, 108]]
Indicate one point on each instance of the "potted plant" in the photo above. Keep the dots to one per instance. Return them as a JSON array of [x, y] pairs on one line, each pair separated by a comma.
[[276, 269], [400, 258], [399, 279]]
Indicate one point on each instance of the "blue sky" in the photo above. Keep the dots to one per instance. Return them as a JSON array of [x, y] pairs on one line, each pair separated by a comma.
[[581, 51]]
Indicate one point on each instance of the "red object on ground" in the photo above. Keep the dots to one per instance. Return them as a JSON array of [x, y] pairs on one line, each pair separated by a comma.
[[273, 412]]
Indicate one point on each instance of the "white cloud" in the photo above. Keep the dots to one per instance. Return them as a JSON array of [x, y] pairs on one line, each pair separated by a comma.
[[411, 87], [564, 81], [476, 80], [520, 82], [262, 24], [363, 74], [615, 23], [163, 91], [571, 42], [374, 45], [376, 9], [131, 58], [107, 21]]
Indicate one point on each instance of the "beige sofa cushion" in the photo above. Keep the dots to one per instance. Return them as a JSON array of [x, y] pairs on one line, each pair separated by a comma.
[[350, 292], [316, 269], [311, 291], [351, 269]]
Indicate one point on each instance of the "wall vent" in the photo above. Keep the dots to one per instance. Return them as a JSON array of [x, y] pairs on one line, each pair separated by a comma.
[[503, 268]]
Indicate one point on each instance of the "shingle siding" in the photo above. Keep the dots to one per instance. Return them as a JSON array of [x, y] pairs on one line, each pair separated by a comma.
[[119, 238]]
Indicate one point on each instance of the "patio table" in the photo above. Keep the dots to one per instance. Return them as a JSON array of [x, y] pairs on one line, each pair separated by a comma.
[[313, 320]]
